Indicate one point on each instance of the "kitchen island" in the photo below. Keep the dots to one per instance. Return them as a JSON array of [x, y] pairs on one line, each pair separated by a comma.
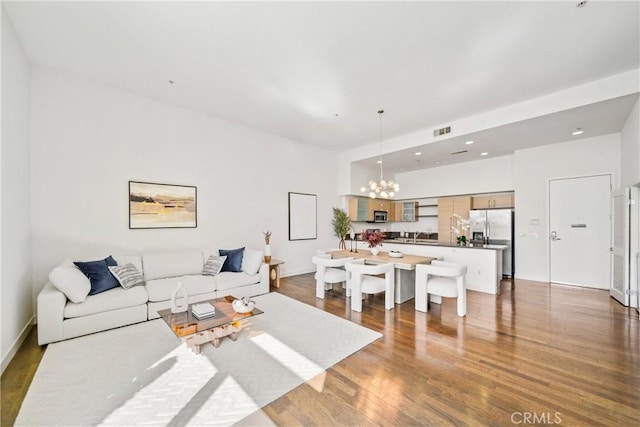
[[484, 262]]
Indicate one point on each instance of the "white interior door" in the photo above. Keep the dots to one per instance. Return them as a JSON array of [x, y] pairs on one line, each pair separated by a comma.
[[620, 256], [580, 231]]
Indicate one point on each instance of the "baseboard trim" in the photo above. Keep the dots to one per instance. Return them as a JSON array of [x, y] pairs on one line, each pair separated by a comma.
[[6, 359], [297, 273]]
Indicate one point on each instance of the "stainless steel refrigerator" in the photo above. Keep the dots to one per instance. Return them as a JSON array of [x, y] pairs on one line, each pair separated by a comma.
[[494, 227]]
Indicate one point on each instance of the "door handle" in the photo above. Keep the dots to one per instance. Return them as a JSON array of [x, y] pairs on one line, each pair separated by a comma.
[[554, 236]]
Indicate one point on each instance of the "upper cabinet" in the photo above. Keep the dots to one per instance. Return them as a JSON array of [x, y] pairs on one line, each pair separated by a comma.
[[362, 208], [493, 201], [447, 206], [409, 212], [378, 205], [359, 209]]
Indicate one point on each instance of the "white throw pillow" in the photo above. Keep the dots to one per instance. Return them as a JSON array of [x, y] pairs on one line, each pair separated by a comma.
[[69, 280], [251, 261], [213, 265], [127, 275]]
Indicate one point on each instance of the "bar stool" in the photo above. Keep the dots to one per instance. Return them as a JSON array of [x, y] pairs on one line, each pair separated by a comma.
[[328, 272], [444, 279], [363, 280]]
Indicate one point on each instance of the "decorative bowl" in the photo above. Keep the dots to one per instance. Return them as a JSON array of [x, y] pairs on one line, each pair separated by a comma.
[[240, 307], [395, 254]]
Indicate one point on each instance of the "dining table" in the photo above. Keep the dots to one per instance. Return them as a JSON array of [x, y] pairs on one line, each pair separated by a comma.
[[404, 268]]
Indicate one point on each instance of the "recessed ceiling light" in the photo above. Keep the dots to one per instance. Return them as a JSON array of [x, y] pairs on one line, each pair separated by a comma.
[[469, 142], [438, 162], [484, 154], [582, 3], [578, 132], [418, 153], [379, 161]]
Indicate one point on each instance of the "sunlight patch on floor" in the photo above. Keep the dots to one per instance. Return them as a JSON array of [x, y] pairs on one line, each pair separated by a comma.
[[162, 399], [304, 368]]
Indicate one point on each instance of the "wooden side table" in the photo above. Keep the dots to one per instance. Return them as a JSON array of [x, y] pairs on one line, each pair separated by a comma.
[[274, 272]]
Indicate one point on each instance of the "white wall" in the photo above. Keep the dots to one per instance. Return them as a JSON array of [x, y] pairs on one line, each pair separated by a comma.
[[611, 87], [88, 141], [527, 172], [16, 300], [630, 139], [532, 170], [480, 176]]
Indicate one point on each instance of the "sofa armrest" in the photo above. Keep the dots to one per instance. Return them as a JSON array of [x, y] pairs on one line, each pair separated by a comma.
[[51, 303], [264, 278]]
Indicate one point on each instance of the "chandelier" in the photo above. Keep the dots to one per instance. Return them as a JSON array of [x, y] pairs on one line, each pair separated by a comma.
[[382, 188]]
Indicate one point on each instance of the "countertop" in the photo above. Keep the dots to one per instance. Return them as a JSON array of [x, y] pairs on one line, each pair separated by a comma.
[[425, 242]]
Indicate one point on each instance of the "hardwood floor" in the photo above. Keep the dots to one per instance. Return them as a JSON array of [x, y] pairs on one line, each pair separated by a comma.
[[535, 354], [17, 377]]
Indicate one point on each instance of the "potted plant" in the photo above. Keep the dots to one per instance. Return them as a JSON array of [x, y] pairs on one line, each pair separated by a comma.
[[373, 239], [460, 228], [341, 225]]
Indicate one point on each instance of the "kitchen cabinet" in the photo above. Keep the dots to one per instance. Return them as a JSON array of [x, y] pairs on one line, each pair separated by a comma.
[[447, 206], [409, 211], [493, 201], [362, 208], [378, 205], [359, 209], [397, 211], [403, 211]]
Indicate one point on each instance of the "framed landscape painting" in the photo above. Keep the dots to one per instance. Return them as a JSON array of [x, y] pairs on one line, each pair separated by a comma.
[[162, 205]]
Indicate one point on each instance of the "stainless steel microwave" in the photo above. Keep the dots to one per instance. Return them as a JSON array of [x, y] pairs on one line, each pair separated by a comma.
[[380, 216]]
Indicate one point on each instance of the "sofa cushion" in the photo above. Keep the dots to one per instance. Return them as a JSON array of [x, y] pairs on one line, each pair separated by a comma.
[[213, 265], [229, 280], [99, 275], [136, 260], [162, 289], [112, 299], [127, 275], [72, 282], [251, 261], [172, 264], [234, 259]]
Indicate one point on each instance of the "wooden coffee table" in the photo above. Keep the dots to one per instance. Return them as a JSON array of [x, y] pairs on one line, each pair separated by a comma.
[[196, 332]]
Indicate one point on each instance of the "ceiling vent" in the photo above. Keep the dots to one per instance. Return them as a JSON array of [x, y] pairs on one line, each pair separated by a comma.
[[442, 131], [459, 152]]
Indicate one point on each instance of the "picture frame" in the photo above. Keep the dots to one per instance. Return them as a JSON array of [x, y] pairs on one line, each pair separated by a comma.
[[155, 205], [302, 216]]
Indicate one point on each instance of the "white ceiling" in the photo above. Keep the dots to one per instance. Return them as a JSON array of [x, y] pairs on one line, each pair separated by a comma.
[[317, 72]]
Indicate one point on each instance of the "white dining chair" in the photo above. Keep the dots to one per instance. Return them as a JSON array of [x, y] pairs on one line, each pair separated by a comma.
[[325, 253], [441, 279], [328, 272], [362, 280]]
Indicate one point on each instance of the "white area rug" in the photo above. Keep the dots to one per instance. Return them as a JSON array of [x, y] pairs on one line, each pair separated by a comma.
[[143, 375]]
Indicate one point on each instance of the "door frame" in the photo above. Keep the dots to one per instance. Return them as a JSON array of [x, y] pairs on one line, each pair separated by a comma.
[[622, 297], [611, 176]]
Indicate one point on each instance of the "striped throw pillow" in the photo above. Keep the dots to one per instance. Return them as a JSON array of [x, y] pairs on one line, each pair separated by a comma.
[[213, 265], [127, 275]]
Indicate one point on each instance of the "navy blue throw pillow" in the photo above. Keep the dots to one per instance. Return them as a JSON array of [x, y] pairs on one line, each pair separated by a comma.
[[99, 275], [234, 259]]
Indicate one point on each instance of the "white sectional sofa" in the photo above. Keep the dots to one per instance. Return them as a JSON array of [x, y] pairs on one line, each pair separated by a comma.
[[59, 318]]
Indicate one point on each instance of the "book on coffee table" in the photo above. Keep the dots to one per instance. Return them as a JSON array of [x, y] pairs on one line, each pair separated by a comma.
[[203, 310]]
